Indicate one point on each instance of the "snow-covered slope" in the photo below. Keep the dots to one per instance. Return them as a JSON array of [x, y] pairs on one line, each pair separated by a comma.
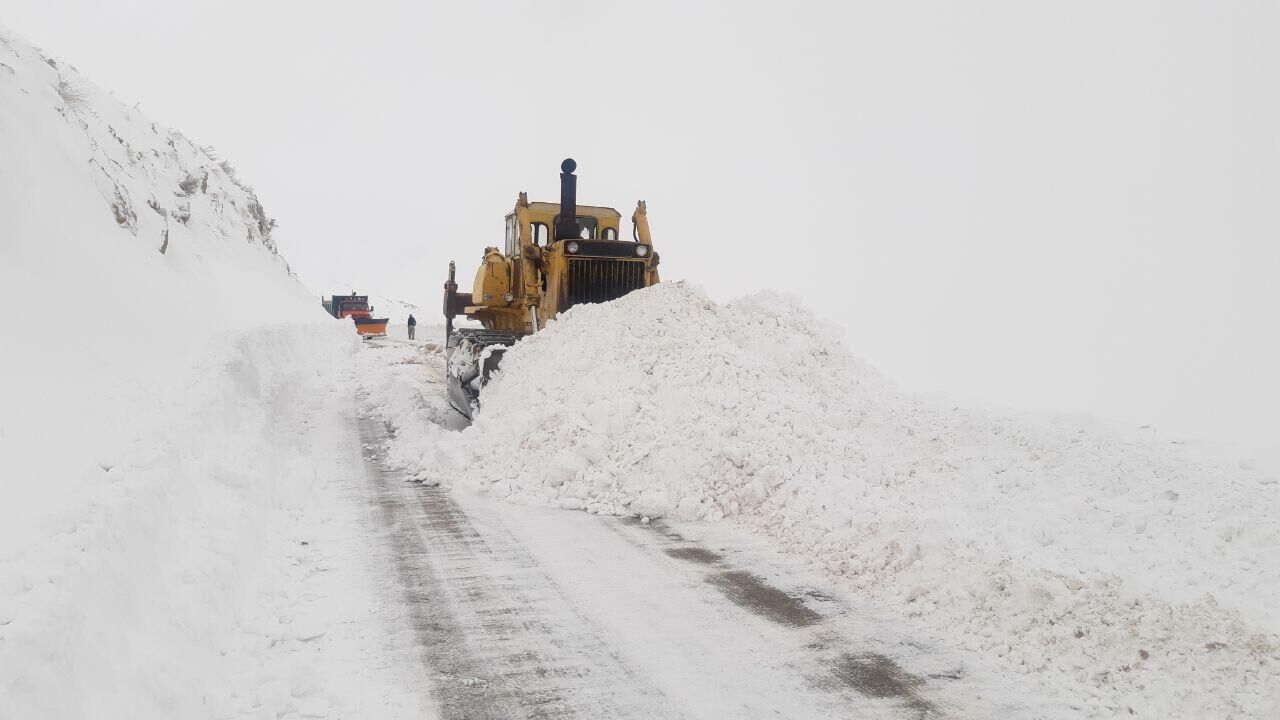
[[123, 248], [1121, 570], [164, 387]]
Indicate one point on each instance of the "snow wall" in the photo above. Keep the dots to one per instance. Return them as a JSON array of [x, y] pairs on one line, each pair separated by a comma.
[[150, 336]]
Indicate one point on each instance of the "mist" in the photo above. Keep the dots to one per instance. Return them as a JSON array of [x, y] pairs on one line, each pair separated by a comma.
[[1067, 207]]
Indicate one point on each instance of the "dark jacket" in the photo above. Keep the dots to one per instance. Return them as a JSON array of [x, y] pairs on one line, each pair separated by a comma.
[[412, 321]]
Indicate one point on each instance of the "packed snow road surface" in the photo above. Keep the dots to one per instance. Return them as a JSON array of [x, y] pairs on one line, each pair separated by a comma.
[[534, 613]]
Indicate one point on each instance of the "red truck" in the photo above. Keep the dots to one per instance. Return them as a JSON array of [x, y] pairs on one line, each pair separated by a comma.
[[357, 308]]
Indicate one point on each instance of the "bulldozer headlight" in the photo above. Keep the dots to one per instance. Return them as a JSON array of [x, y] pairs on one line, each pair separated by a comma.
[[642, 250], [571, 247]]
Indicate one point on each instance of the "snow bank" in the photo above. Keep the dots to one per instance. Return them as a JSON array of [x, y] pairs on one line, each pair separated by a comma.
[[161, 379], [133, 600], [126, 250], [1126, 568]]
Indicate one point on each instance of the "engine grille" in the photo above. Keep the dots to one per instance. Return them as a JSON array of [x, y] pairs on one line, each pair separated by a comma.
[[596, 281]]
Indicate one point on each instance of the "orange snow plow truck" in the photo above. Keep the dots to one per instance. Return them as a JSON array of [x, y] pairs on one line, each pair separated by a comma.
[[357, 308]]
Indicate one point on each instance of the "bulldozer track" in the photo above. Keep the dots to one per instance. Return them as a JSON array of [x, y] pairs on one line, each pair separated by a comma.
[[468, 370]]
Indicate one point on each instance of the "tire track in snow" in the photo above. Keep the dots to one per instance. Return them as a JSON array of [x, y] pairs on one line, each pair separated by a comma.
[[502, 640], [498, 638]]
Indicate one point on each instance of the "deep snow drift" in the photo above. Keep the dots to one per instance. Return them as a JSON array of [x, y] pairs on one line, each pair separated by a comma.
[[1124, 572], [172, 428], [125, 248]]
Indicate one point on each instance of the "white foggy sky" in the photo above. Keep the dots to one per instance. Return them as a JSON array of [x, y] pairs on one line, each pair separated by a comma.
[[1067, 206]]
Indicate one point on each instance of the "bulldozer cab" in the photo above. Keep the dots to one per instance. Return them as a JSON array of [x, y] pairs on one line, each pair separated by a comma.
[[593, 222], [553, 256]]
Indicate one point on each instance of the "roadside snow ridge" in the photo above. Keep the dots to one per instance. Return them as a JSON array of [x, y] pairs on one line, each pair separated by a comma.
[[1065, 549]]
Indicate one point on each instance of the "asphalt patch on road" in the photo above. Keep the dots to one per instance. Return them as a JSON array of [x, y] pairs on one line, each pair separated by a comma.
[[878, 676], [750, 591], [695, 554], [745, 589]]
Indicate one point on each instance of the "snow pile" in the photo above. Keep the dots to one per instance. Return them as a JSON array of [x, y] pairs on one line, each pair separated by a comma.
[[163, 380], [1125, 569], [671, 405]]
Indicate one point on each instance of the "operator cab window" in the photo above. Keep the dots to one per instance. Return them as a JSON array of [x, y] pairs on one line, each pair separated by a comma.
[[610, 234], [540, 234], [588, 227], [513, 238]]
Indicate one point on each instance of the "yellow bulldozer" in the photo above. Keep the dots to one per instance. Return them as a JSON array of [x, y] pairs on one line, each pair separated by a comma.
[[555, 256]]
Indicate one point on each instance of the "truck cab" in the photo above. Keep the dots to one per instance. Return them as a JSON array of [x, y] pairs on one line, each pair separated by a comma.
[[357, 308]]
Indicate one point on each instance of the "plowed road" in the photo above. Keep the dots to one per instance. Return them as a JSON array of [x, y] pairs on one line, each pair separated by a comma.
[[522, 612]]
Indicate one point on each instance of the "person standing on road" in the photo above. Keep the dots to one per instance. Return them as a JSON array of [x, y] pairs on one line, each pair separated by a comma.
[[412, 324]]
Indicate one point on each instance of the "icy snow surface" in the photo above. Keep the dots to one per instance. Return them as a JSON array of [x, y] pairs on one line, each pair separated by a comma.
[[175, 436], [1124, 571]]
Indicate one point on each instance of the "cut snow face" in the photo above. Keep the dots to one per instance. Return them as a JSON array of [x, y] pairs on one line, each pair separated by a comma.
[[1074, 551], [126, 248], [169, 426]]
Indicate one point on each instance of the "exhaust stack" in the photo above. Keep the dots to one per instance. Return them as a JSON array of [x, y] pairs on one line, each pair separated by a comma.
[[567, 226]]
